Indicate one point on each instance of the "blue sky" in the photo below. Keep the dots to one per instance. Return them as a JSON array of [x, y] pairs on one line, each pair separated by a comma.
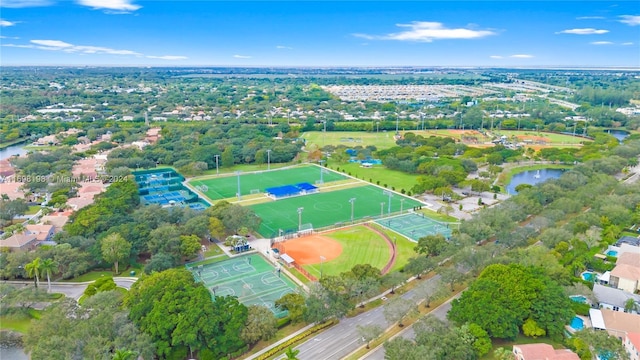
[[320, 33]]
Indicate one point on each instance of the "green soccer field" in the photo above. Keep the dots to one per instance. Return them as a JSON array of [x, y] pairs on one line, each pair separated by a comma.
[[227, 186], [327, 208]]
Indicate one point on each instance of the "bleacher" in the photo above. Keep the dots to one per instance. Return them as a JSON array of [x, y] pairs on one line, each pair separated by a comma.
[[280, 192]]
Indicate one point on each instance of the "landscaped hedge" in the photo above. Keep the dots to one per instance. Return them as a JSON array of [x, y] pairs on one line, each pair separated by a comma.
[[280, 348]]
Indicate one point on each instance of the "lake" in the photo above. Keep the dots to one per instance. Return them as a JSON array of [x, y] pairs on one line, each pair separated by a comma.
[[12, 150], [12, 353], [532, 177]]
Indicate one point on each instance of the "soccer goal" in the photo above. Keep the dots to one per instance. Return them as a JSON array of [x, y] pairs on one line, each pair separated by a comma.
[[255, 191]]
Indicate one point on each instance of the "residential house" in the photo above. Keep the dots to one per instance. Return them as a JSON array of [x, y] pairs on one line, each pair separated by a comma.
[[58, 221], [542, 352], [6, 169], [626, 274], [632, 345], [20, 242], [43, 232], [616, 323], [12, 190], [614, 299]]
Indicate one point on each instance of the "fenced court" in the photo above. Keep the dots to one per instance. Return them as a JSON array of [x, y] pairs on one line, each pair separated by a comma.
[[328, 209], [256, 182], [250, 278], [416, 225]]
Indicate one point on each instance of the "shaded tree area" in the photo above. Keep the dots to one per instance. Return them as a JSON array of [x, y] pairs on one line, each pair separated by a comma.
[[95, 330], [180, 316], [511, 296], [436, 340]]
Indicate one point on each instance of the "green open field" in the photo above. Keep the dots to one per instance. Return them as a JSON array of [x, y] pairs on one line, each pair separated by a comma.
[[327, 208], [360, 245], [227, 186], [392, 178], [381, 140]]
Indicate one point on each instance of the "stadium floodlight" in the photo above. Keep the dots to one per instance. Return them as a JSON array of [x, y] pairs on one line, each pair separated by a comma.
[[217, 170], [239, 193], [381, 209], [401, 202], [352, 201], [321, 172], [300, 209], [322, 259], [387, 192], [269, 159]]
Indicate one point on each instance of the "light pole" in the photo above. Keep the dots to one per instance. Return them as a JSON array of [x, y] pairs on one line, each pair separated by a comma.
[[352, 201], [397, 122], [217, 170], [300, 209], [381, 209], [321, 172], [269, 159], [239, 194], [387, 192], [322, 259], [324, 132], [401, 202]]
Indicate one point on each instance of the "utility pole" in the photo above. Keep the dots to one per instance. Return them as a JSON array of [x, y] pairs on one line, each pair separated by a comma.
[[381, 209], [269, 159], [352, 201]]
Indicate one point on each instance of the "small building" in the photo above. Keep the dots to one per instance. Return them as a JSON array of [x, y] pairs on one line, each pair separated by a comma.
[[632, 345], [288, 260], [613, 299], [23, 241], [626, 274], [616, 323], [542, 352]]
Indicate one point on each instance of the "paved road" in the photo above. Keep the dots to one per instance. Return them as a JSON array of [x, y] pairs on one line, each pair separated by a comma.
[[440, 312], [73, 290], [343, 339]]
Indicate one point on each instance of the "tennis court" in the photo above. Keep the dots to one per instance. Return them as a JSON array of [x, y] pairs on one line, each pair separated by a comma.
[[227, 186], [415, 225], [328, 208], [250, 278]]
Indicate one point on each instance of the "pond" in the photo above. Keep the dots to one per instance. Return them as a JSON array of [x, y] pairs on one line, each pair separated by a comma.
[[12, 150], [619, 134], [13, 353], [532, 177]]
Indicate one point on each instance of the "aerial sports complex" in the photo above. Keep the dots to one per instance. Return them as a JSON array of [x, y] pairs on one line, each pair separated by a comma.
[[309, 198]]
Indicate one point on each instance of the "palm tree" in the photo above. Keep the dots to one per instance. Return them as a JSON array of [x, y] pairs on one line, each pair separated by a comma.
[[123, 354], [292, 354], [47, 267], [33, 270]]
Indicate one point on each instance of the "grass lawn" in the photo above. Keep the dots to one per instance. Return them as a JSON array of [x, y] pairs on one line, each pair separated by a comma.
[[19, 322], [392, 178], [33, 209], [404, 247], [360, 245], [326, 208], [520, 340], [381, 140], [212, 250], [227, 186]]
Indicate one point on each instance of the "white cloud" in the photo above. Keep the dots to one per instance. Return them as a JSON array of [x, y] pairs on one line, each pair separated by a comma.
[[521, 56], [425, 31], [627, 43], [584, 31], [120, 5], [284, 47], [631, 20], [496, 56], [52, 43], [24, 3], [5, 23], [601, 43], [242, 56], [590, 18], [168, 57], [9, 37]]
